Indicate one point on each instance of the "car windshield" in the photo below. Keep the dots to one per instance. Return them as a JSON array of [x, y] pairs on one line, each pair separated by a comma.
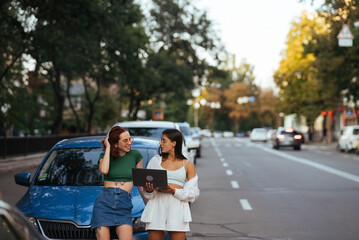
[[71, 167], [185, 130], [259, 130], [146, 132], [289, 133]]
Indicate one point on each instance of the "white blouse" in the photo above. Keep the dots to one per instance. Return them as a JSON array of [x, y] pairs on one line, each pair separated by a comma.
[[190, 191]]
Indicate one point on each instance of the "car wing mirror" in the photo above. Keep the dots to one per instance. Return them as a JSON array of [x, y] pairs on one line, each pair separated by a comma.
[[23, 179]]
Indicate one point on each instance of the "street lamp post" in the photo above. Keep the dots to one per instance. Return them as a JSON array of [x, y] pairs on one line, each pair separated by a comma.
[[198, 103], [196, 107]]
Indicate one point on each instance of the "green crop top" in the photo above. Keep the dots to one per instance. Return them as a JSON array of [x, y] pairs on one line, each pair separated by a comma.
[[121, 167]]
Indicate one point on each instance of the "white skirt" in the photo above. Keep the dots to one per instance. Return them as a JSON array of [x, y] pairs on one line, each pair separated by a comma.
[[167, 213]]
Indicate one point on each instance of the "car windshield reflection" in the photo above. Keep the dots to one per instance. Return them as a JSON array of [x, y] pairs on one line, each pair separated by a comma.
[[71, 167]]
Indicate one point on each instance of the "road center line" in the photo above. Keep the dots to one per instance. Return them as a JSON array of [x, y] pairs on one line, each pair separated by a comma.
[[225, 164], [235, 184], [314, 164], [229, 172], [245, 204]]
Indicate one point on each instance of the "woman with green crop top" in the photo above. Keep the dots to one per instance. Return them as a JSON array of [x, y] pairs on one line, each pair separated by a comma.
[[113, 205]]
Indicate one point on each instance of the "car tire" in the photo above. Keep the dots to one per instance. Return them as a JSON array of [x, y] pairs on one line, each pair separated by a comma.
[[198, 153], [347, 150], [297, 148], [339, 149]]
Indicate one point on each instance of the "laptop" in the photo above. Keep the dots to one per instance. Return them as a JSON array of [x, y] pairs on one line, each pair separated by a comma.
[[157, 177]]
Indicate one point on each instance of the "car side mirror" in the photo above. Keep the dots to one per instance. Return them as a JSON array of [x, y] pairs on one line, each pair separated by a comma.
[[23, 179]]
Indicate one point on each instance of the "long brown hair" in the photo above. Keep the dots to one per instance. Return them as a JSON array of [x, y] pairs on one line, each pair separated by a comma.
[[114, 137], [175, 136]]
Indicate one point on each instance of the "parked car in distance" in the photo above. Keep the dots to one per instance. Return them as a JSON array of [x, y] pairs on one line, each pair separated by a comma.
[[228, 134], [287, 137], [348, 138], [217, 134], [60, 197], [154, 130], [15, 226], [206, 133], [271, 134], [196, 133], [192, 144], [258, 135], [241, 134]]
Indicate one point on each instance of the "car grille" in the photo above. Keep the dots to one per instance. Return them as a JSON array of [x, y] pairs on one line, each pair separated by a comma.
[[65, 230]]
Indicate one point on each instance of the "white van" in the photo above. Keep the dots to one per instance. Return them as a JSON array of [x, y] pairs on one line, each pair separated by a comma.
[[348, 138]]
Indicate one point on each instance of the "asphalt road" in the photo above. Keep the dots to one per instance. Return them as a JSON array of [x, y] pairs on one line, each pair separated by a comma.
[[10, 192], [251, 191]]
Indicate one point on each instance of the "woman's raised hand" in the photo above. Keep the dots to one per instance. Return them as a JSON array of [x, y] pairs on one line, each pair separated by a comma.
[[106, 143]]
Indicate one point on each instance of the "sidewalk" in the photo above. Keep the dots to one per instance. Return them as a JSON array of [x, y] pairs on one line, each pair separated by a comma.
[[12, 164], [321, 146]]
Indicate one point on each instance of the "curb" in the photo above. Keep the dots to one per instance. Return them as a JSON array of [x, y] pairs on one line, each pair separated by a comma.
[[328, 146]]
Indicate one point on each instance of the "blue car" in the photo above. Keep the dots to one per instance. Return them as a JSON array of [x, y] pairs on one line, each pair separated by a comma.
[[60, 198]]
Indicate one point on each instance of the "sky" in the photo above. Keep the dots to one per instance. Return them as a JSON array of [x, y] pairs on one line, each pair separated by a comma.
[[255, 30]]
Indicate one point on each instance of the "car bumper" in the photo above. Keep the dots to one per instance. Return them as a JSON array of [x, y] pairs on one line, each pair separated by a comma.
[[288, 143]]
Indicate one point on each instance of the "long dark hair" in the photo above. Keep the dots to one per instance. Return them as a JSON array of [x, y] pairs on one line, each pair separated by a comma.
[[175, 136], [113, 137]]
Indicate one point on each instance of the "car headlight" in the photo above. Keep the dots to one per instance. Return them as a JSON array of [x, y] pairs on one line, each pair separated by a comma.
[[138, 225]]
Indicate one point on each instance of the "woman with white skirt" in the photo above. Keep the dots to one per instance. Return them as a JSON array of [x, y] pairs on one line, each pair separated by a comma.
[[167, 210]]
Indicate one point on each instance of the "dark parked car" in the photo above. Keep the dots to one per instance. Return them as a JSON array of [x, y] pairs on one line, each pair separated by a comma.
[[14, 226], [61, 195], [287, 137]]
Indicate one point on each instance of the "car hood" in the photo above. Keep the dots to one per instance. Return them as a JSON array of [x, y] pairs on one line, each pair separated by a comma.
[[68, 203]]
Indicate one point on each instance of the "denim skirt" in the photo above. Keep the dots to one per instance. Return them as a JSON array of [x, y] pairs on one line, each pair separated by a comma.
[[112, 207]]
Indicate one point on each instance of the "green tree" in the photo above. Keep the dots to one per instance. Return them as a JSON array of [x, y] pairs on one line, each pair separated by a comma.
[[300, 91], [337, 67], [17, 101], [95, 41], [182, 33]]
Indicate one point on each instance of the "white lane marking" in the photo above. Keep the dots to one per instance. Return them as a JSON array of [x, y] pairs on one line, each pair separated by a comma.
[[222, 159], [229, 172], [235, 184], [225, 164], [245, 204], [314, 164]]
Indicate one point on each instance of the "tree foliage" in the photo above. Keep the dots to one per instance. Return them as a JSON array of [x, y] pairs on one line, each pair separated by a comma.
[[337, 67], [16, 103], [300, 91], [96, 42]]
